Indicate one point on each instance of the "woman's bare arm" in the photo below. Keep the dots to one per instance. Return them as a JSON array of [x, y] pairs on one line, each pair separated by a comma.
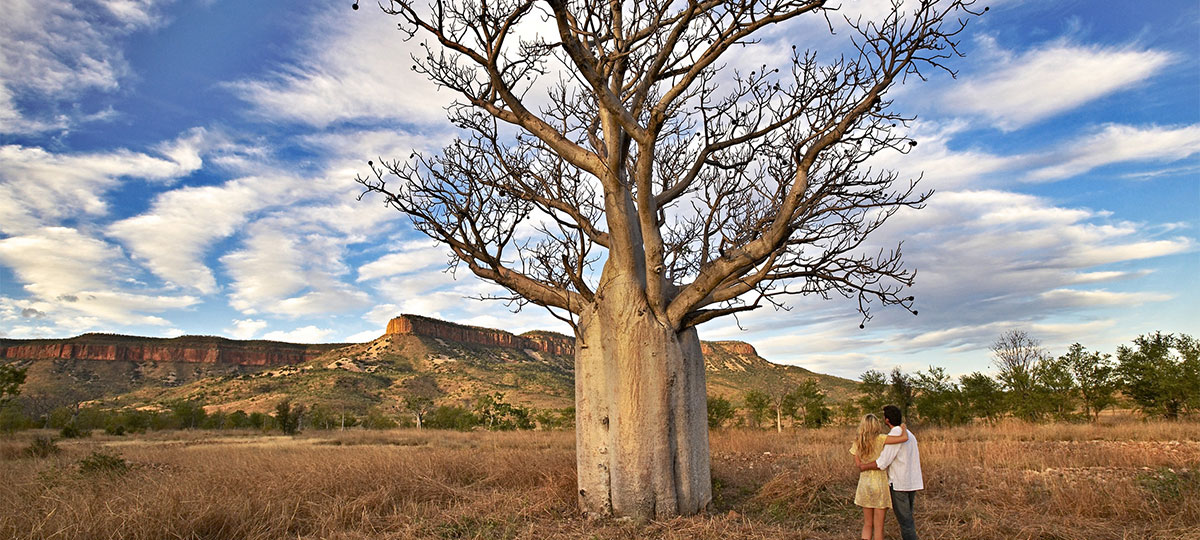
[[897, 439]]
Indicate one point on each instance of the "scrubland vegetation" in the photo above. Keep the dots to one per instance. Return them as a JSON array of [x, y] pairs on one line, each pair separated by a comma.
[[1117, 479], [1078, 446]]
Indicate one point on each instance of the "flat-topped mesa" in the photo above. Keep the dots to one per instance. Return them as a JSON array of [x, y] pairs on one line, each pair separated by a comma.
[[734, 347], [416, 325], [186, 349], [541, 341], [552, 343]]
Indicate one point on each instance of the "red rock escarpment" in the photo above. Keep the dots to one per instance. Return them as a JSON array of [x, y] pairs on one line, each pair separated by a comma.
[[545, 342], [733, 347], [138, 350]]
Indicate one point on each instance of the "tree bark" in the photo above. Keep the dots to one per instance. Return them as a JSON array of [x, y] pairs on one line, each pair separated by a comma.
[[641, 428]]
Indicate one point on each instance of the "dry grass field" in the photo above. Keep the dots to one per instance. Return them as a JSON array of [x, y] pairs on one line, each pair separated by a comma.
[[1122, 480]]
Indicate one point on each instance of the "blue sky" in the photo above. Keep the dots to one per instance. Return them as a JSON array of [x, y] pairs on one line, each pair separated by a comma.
[[174, 168]]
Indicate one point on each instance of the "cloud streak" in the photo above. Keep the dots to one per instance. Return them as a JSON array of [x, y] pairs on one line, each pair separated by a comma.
[[1022, 89]]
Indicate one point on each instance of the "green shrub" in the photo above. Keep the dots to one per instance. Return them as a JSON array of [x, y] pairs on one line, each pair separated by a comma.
[[42, 447], [100, 462], [73, 431]]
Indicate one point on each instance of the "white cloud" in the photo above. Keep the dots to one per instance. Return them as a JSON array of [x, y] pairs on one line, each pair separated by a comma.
[[57, 261], [989, 255], [1117, 144], [943, 167], [53, 52], [358, 68], [304, 334], [290, 267], [1020, 89], [81, 282], [987, 261], [38, 187], [1098, 298], [173, 236], [177, 232], [414, 257], [381, 314], [246, 328], [363, 337]]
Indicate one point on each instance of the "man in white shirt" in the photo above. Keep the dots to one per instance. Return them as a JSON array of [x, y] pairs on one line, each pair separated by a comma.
[[903, 465]]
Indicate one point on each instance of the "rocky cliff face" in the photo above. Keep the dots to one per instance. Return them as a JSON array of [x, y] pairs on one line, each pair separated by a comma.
[[215, 350], [545, 342], [183, 350], [732, 347]]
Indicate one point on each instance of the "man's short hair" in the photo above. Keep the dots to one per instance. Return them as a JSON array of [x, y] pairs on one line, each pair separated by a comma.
[[892, 414]]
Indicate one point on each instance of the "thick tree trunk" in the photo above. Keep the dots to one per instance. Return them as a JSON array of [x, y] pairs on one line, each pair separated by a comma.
[[641, 416]]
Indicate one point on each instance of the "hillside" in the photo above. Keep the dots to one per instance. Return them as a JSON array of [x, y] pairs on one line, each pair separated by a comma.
[[535, 368]]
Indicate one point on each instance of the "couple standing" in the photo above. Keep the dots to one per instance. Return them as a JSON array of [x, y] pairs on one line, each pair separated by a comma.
[[890, 473]]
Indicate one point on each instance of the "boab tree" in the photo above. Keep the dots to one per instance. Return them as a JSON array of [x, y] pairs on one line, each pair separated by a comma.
[[612, 168]]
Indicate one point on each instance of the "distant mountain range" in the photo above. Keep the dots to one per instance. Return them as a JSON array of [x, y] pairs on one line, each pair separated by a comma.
[[534, 369]]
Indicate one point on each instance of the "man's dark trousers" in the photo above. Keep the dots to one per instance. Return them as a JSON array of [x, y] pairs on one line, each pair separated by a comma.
[[902, 505]]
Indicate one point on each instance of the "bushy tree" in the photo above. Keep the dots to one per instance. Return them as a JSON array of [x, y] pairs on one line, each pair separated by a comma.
[[1159, 381], [420, 392], [238, 419], [1189, 362], [215, 420], [13, 419], [262, 421], [807, 404], [757, 404], [452, 417], [11, 379], [498, 415], [1055, 388], [848, 413], [938, 399], [188, 414], [128, 421], [378, 419], [720, 410], [1096, 377], [555, 418], [901, 392], [983, 396], [816, 413], [1016, 355], [874, 392], [288, 416]]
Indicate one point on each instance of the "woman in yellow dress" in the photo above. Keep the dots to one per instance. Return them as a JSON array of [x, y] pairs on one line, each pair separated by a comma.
[[873, 494]]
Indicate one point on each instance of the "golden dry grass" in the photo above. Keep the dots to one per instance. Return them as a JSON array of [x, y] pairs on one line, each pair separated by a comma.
[[1116, 481]]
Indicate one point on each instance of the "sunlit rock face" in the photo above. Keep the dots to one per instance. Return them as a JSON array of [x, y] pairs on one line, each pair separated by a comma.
[[217, 350], [189, 349], [545, 342]]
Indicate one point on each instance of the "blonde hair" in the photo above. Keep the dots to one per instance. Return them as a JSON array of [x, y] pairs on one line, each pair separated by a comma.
[[869, 430]]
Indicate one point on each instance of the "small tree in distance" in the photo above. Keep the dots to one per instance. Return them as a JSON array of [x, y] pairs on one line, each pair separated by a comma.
[[983, 396], [1096, 377], [288, 416], [874, 390], [757, 403], [720, 410], [11, 379], [701, 193], [1017, 357], [420, 393]]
